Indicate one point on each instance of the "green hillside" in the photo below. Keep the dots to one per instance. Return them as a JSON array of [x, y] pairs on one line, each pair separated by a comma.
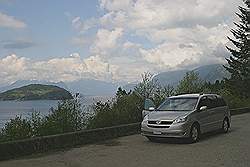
[[36, 92]]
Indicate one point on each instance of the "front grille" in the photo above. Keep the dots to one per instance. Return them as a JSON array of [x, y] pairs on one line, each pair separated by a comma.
[[166, 122], [155, 126], [161, 122], [151, 122]]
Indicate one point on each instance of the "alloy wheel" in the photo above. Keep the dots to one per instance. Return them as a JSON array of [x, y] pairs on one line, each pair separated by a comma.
[[225, 126], [194, 134]]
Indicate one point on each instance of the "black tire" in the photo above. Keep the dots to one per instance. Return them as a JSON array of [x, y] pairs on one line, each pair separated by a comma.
[[225, 125], [194, 133]]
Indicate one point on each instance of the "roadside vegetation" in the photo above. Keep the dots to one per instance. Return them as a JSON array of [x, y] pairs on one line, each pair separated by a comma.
[[67, 117], [126, 107]]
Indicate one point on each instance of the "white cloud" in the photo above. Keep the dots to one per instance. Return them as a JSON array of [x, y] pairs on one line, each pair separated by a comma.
[[106, 39], [187, 47], [115, 5], [10, 22], [180, 34], [12, 68], [147, 14], [57, 69], [171, 55], [198, 34]]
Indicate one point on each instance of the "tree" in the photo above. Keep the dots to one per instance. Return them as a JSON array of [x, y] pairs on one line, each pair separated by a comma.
[[17, 128], [150, 88], [68, 116], [239, 61], [147, 86], [120, 93], [123, 109], [161, 93], [191, 83]]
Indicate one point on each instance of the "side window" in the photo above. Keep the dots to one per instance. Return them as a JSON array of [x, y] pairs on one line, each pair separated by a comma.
[[213, 101], [204, 102]]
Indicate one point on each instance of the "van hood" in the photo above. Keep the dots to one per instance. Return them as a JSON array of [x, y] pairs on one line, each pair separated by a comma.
[[166, 115]]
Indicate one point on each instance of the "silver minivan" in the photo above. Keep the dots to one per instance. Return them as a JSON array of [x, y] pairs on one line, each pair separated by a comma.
[[185, 116]]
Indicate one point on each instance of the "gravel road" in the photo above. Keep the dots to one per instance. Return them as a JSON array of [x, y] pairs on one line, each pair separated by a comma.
[[214, 149]]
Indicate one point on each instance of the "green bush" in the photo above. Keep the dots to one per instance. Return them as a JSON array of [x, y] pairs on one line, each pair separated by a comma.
[[17, 128], [234, 101], [67, 117], [124, 108]]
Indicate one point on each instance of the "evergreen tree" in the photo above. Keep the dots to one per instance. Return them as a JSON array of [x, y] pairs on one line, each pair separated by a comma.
[[239, 61], [120, 93]]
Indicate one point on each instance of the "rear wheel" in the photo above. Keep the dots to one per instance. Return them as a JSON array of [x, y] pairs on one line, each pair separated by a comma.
[[225, 125], [194, 134]]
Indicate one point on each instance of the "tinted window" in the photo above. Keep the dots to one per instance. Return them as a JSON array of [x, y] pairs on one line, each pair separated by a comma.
[[213, 101], [204, 102]]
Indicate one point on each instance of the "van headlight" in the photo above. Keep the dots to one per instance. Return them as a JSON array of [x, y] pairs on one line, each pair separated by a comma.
[[181, 119], [145, 118]]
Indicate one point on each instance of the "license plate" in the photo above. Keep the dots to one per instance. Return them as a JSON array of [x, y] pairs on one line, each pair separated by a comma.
[[157, 133]]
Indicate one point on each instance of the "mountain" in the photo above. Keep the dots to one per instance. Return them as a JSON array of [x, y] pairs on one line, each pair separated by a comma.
[[170, 77], [89, 87], [209, 73], [36, 92], [92, 87], [21, 83], [213, 72]]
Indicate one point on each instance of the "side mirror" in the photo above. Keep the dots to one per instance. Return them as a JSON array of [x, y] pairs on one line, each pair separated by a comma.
[[203, 108], [151, 109], [146, 112]]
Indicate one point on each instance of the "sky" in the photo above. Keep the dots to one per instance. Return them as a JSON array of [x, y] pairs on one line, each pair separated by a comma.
[[110, 40]]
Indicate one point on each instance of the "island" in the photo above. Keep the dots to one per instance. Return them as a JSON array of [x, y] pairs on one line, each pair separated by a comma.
[[36, 92]]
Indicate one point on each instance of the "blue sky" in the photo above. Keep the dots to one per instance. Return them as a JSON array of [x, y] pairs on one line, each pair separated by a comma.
[[110, 40], [48, 26]]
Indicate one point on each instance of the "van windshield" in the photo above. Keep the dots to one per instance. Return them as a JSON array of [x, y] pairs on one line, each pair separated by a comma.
[[178, 104]]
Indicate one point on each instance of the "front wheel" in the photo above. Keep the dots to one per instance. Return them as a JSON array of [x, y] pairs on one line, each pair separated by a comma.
[[194, 134], [225, 125]]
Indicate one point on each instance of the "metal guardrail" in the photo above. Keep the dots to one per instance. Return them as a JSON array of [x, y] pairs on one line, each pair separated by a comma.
[[237, 111]]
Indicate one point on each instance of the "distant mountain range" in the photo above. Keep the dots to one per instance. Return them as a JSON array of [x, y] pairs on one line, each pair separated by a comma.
[[209, 73], [91, 87]]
